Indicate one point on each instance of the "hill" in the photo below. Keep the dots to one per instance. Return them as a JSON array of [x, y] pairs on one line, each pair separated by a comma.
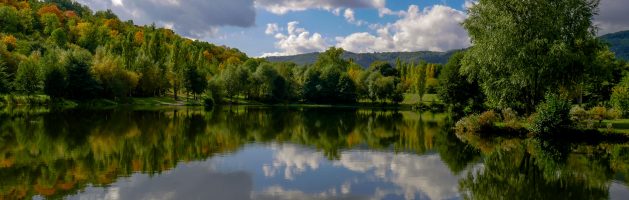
[[619, 43], [365, 59]]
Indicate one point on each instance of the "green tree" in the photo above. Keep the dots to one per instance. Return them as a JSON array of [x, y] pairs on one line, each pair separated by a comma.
[[5, 79], [10, 19], [81, 84], [347, 90], [50, 22], [28, 78], [234, 79], [195, 81], [456, 89], [59, 37], [523, 49], [620, 95], [384, 68], [55, 83], [421, 82]]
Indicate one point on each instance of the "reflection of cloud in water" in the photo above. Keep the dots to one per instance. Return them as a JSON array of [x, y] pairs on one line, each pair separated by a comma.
[[279, 193], [187, 181], [294, 159], [618, 190], [424, 175]]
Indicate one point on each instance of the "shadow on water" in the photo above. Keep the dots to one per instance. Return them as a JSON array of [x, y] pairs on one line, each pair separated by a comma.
[[54, 154]]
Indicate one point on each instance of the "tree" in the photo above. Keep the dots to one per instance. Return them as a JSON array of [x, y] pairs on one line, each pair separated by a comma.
[[456, 89], [421, 82], [332, 57], [234, 79], [384, 68], [29, 75], [524, 49], [5, 79], [620, 95], [59, 37], [10, 19], [110, 72], [81, 84], [195, 82], [347, 90], [55, 83]]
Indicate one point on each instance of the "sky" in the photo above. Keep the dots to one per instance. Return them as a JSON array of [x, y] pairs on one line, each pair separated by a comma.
[[263, 28]]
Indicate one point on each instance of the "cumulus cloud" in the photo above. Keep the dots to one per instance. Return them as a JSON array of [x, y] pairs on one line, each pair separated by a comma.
[[297, 41], [191, 18], [284, 6], [349, 17], [612, 16], [271, 29], [436, 28]]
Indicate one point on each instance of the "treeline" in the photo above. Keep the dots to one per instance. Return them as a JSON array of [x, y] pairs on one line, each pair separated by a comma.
[[64, 50]]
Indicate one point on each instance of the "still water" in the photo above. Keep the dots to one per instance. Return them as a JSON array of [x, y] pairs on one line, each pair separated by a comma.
[[288, 153]]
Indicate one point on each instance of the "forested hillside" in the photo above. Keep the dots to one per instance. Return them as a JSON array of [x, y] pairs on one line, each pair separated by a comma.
[[66, 51], [619, 43], [365, 59]]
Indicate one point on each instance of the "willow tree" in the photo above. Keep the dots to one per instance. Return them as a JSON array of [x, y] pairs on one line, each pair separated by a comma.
[[524, 49]]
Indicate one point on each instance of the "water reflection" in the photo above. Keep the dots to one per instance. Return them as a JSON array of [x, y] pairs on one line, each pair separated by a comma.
[[282, 153]]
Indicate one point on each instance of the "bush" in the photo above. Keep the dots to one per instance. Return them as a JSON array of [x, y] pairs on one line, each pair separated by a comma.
[[620, 95], [598, 113], [552, 116], [578, 114], [476, 124], [510, 118]]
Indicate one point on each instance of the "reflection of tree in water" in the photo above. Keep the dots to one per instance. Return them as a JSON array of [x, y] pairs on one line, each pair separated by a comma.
[[536, 169], [55, 154]]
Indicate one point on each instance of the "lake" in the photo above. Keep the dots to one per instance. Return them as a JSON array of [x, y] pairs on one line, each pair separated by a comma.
[[288, 153]]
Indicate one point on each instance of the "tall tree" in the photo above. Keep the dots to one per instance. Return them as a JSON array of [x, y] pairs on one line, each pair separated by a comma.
[[81, 84], [5, 79], [29, 77], [523, 49], [421, 81]]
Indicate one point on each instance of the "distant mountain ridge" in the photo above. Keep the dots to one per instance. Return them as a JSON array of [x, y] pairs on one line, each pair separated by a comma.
[[365, 59], [619, 44]]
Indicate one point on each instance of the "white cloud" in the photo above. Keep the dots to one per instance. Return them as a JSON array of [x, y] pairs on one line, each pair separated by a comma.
[[297, 41], [612, 16], [271, 29], [414, 175], [190, 18], [284, 6], [350, 18], [117, 2], [436, 28]]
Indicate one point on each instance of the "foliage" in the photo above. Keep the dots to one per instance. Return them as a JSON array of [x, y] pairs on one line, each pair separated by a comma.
[[81, 84], [553, 116], [476, 124], [517, 57], [455, 88], [29, 78], [620, 95], [55, 84], [5, 79]]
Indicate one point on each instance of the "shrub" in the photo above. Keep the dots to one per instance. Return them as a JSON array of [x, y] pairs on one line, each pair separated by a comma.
[[578, 114], [552, 116], [510, 117], [614, 114], [598, 113], [620, 95], [476, 124]]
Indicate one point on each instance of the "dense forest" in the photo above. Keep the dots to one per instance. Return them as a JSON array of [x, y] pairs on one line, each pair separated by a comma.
[[65, 50]]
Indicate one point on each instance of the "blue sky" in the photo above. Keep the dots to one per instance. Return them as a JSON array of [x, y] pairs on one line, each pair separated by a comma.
[[287, 27]]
